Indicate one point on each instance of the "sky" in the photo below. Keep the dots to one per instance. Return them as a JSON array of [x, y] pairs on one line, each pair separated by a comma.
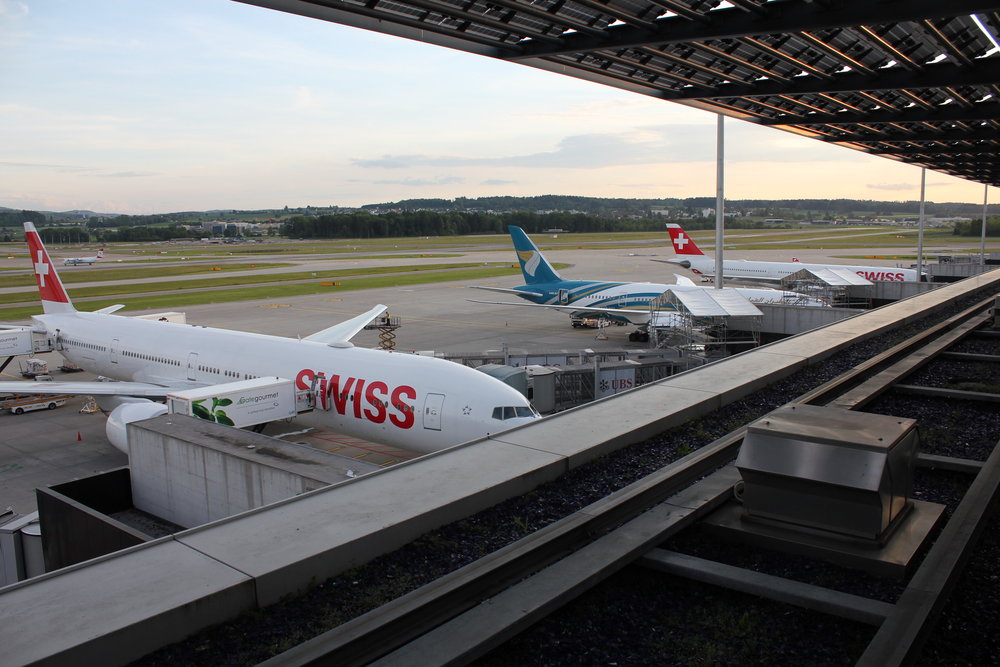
[[146, 106]]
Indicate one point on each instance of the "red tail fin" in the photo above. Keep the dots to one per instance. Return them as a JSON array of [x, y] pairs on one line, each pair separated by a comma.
[[683, 244], [54, 298]]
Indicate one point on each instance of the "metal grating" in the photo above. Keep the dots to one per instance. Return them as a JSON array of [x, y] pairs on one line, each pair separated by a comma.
[[910, 80]]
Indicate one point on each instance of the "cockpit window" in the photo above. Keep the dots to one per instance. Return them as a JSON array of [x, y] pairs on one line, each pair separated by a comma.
[[513, 412]]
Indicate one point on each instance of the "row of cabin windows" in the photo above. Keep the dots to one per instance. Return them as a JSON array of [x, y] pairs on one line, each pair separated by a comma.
[[150, 357], [79, 343], [236, 375], [161, 360]]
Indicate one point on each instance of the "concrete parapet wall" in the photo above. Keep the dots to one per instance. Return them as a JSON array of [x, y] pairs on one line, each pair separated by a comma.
[[791, 320]]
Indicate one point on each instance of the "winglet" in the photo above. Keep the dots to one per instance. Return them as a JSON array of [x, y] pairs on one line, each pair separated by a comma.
[[683, 244], [54, 297], [339, 335]]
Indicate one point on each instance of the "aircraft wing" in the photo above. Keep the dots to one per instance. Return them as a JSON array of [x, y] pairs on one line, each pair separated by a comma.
[[633, 316], [143, 389], [339, 335], [504, 290]]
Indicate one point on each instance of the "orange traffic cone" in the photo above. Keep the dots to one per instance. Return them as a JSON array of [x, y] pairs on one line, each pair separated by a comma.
[[78, 436]]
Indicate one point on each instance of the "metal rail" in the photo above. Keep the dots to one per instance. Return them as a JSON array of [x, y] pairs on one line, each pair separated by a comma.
[[466, 613]]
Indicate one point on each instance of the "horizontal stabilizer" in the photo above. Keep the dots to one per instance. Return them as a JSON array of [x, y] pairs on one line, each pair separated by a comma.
[[110, 309], [339, 335], [505, 290]]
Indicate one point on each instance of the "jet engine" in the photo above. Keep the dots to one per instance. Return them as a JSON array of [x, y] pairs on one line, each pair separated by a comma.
[[125, 413]]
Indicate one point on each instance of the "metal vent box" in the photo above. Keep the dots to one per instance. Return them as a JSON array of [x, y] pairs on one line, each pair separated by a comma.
[[830, 469]]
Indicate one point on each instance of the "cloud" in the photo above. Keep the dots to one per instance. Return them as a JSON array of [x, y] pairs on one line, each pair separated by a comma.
[[392, 162], [305, 99], [662, 144], [497, 181], [585, 151], [441, 180], [129, 174], [41, 165], [13, 9]]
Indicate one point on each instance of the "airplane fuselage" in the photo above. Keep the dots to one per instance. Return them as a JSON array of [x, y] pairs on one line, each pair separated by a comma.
[[636, 296], [775, 271], [413, 402]]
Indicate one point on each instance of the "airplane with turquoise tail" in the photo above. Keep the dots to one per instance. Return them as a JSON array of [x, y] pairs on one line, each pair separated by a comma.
[[620, 302]]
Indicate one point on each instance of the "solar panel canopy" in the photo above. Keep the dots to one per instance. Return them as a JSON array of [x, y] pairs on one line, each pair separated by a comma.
[[911, 80]]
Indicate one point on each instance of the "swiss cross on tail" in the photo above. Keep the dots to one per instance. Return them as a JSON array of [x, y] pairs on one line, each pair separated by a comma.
[[683, 244], [54, 298]]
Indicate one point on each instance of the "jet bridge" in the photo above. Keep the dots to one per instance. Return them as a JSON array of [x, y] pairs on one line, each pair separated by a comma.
[[712, 321], [840, 287]]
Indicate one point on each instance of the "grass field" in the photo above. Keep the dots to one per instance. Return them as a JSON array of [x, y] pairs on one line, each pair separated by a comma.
[[190, 297], [232, 281]]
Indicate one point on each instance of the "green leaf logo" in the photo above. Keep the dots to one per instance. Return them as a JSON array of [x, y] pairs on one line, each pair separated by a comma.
[[215, 414]]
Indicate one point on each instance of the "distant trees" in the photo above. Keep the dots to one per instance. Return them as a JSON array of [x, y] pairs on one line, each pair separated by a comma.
[[64, 235], [975, 227], [143, 234], [9, 218], [450, 223]]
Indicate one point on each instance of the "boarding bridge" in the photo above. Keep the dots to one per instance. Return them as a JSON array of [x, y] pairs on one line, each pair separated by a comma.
[[840, 287], [20, 341], [712, 322]]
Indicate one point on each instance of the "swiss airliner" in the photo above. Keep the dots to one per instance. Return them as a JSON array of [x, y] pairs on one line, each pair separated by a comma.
[[624, 302], [417, 403], [691, 257], [76, 261]]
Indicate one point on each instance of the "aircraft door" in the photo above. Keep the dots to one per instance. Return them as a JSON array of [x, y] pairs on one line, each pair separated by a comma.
[[192, 365], [114, 350], [432, 411], [563, 296]]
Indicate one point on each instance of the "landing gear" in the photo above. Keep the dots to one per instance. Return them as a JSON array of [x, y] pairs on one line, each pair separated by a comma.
[[639, 336]]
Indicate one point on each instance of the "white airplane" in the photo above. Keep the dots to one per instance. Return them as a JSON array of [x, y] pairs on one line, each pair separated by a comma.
[[616, 301], [691, 257], [417, 403], [75, 261]]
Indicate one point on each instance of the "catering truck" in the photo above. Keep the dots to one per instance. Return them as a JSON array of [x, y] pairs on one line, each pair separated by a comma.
[[241, 403]]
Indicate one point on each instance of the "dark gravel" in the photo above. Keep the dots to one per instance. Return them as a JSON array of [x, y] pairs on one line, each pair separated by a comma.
[[685, 623]]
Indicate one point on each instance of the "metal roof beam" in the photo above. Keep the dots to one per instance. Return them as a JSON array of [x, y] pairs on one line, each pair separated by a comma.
[[781, 16], [970, 155], [940, 75], [980, 134], [950, 113]]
